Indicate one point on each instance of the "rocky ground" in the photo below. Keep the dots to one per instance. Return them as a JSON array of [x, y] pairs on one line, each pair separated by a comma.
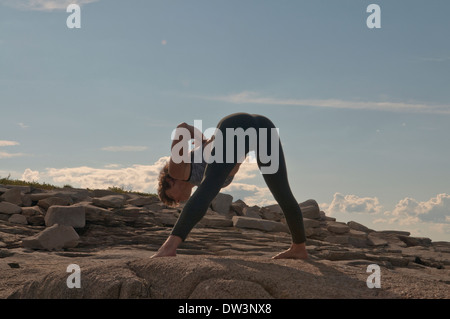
[[111, 237]]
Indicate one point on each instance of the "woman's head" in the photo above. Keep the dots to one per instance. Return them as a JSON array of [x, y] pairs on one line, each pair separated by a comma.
[[171, 191]]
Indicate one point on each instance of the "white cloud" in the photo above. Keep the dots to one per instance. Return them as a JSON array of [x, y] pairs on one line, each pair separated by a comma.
[[247, 97], [43, 5], [249, 169], [409, 211], [353, 204], [124, 148], [30, 175], [4, 143], [250, 194], [10, 155], [142, 178], [8, 143]]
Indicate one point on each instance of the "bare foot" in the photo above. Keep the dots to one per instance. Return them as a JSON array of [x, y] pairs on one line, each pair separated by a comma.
[[169, 248], [296, 251], [163, 253]]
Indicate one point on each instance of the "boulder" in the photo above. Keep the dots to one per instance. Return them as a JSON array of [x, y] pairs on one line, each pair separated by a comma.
[[222, 203], [310, 209], [50, 201], [270, 214], [238, 207], [338, 228], [260, 224], [357, 226], [142, 201], [215, 221], [311, 223], [66, 215], [18, 219], [9, 208], [415, 241], [13, 196], [54, 237], [110, 201], [251, 211]]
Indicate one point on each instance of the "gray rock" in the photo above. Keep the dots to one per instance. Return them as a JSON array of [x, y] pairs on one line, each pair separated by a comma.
[[261, 224], [357, 226], [311, 223], [338, 228], [51, 201], [215, 221], [238, 207], [18, 219], [95, 214], [142, 201], [9, 208], [274, 208], [251, 211], [376, 241], [415, 241], [54, 237], [222, 203], [270, 214], [110, 201], [13, 196], [310, 209], [66, 215]]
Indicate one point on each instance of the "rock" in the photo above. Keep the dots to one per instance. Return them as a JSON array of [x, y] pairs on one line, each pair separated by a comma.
[[9, 208], [338, 239], [18, 219], [261, 224], [311, 223], [229, 289], [415, 241], [51, 201], [324, 217], [103, 192], [270, 214], [275, 208], [66, 215], [394, 232], [95, 214], [238, 207], [345, 255], [31, 211], [54, 237], [215, 221], [376, 241], [357, 226], [252, 212], [110, 201], [338, 228], [222, 203], [13, 196], [142, 201], [310, 209]]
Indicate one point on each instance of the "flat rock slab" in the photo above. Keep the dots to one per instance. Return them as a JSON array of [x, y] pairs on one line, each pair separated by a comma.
[[116, 274]]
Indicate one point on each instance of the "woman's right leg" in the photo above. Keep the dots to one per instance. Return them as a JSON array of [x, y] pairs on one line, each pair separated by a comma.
[[279, 186]]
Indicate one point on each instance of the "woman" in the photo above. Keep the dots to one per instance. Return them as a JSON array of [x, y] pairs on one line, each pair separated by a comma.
[[178, 178]]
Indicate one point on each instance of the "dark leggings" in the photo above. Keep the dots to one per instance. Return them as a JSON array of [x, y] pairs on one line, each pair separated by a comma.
[[216, 173]]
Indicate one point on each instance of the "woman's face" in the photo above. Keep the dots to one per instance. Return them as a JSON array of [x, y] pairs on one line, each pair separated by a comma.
[[179, 191]]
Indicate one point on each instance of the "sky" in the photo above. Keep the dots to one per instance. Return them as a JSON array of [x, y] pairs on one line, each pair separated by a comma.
[[363, 113]]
